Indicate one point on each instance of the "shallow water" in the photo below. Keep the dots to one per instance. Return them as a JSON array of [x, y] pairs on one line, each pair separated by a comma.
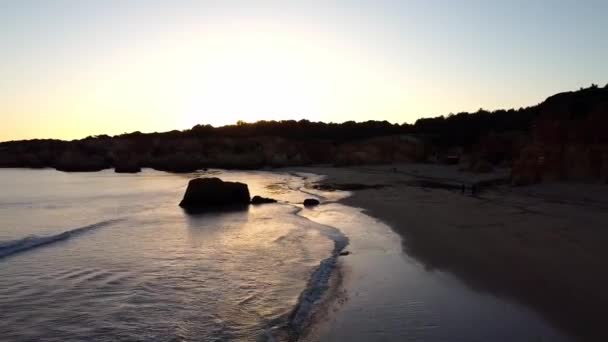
[[107, 257]]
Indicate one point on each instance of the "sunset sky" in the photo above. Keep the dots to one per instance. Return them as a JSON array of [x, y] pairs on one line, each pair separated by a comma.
[[73, 68]]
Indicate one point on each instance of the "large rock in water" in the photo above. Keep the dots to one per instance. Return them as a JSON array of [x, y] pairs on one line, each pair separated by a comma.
[[213, 193]]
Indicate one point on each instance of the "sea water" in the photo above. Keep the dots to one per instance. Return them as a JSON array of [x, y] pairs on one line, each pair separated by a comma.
[[111, 257]]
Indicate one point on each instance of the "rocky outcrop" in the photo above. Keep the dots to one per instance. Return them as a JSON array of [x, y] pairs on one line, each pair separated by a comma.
[[185, 152], [130, 165], [262, 200], [388, 149], [127, 168], [212, 193], [124, 160], [73, 161], [569, 140], [561, 162], [177, 163]]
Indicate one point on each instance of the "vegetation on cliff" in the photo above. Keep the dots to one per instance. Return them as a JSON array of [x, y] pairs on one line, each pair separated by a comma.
[[502, 136]]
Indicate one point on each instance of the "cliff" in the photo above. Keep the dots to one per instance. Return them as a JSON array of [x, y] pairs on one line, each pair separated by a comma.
[[185, 153], [562, 138], [568, 140]]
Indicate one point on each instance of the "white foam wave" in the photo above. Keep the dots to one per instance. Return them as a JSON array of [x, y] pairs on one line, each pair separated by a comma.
[[318, 283], [12, 247]]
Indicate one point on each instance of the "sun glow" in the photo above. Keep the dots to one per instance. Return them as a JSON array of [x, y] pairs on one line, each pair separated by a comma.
[[251, 80], [208, 74], [217, 78], [258, 76]]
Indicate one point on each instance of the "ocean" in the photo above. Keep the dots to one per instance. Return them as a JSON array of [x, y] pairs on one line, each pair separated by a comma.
[[109, 257]]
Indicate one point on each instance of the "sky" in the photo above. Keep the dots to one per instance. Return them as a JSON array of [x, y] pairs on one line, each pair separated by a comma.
[[74, 68]]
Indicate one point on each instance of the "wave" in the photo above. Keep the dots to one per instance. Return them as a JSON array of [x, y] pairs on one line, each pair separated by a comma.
[[319, 281], [317, 285], [297, 320], [8, 248]]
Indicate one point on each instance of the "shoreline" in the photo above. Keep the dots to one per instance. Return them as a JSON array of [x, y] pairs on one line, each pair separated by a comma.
[[484, 240], [325, 283], [541, 247]]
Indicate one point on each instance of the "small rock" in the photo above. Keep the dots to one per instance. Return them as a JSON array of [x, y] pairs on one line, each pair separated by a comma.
[[344, 253], [262, 200], [311, 202]]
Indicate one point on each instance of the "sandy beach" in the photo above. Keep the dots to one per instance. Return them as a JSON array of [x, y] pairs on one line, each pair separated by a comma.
[[542, 246]]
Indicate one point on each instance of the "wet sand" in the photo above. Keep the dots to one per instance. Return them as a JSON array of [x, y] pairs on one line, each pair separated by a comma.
[[544, 247]]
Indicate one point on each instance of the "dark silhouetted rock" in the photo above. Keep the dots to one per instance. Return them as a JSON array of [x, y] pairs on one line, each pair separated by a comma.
[[311, 202], [126, 162], [213, 193], [127, 168], [568, 140], [262, 200], [72, 161], [178, 163]]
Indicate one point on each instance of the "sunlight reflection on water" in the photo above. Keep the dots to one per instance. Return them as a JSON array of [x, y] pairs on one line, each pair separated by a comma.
[[158, 274]]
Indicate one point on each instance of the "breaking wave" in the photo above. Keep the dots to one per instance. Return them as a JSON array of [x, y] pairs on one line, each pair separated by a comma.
[[8, 248]]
